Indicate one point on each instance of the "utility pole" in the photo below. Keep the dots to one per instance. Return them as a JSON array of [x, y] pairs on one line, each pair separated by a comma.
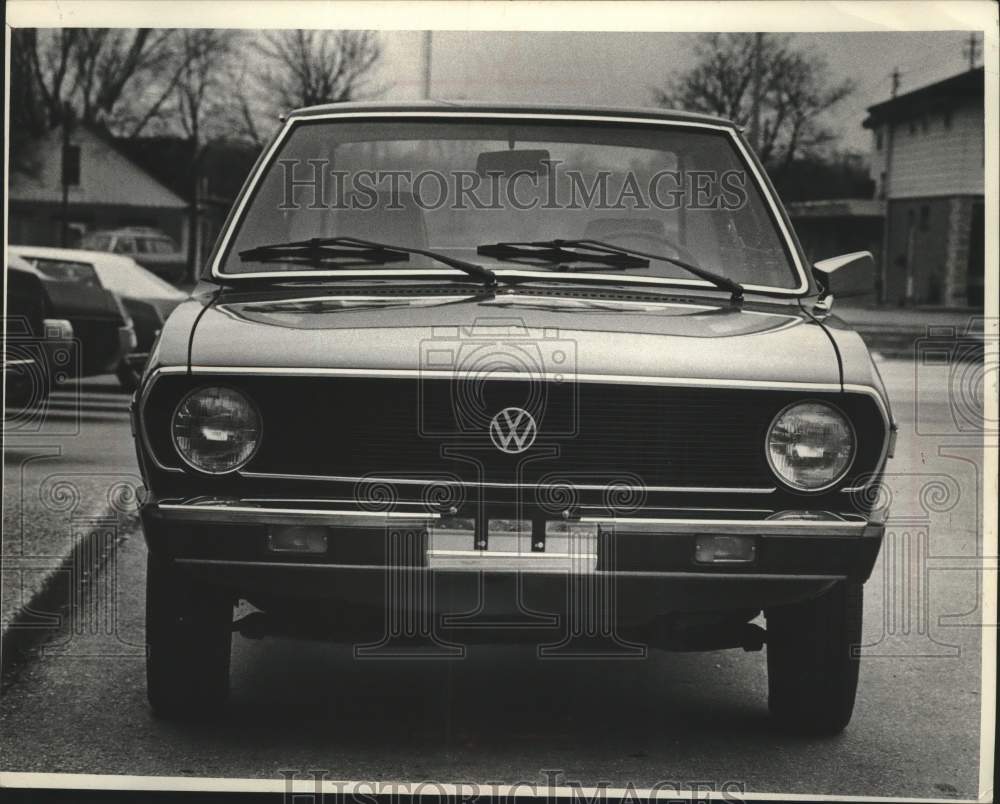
[[69, 172], [886, 185], [427, 65], [972, 49], [758, 70]]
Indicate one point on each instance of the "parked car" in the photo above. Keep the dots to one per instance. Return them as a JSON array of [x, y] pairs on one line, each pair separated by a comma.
[[152, 249], [37, 347], [149, 301], [588, 424], [102, 328]]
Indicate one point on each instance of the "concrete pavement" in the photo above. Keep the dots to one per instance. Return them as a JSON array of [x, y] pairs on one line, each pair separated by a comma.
[[69, 476]]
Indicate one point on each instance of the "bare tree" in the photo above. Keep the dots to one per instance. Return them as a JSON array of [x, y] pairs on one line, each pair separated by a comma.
[[32, 89], [199, 92], [198, 108], [306, 68], [107, 77], [107, 61], [795, 91]]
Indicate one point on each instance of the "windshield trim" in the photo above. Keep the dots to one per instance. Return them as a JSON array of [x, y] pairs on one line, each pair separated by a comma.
[[267, 158]]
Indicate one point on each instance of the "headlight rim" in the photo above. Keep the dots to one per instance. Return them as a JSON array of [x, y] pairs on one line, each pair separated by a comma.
[[782, 480], [253, 452]]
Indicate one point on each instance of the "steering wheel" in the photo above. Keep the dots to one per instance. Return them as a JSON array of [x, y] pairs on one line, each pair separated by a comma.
[[629, 235]]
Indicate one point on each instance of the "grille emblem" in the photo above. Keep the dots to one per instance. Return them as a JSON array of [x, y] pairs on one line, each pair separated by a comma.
[[513, 430]]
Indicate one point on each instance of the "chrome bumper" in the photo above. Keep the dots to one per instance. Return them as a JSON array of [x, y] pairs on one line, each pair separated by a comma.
[[242, 512], [212, 529], [295, 512]]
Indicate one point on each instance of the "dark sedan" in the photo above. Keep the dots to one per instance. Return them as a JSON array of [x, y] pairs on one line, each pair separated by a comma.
[[37, 348], [102, 328]]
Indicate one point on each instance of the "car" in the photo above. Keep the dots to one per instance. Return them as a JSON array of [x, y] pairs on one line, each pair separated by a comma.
[[148, 300], [153, 249], [102, 329], [37, 347], [552, 374]]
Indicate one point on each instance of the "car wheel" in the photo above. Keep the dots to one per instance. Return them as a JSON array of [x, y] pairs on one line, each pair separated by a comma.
[[128, 377], [812, 674], [188, 643]]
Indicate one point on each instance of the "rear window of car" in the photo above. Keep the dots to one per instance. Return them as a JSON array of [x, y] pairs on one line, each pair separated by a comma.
[[156, 245], [125, 245], [97, 242], [67, 271]]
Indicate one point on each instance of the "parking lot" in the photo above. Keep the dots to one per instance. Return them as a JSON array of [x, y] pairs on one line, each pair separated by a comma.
[[75, 701]]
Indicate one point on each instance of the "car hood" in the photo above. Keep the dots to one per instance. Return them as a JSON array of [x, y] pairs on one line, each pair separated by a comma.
[[600, 334]]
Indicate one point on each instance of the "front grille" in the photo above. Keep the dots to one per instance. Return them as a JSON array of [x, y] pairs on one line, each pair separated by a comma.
[[588, 433]]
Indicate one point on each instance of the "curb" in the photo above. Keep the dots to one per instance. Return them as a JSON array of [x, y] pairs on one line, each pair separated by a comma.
[[85, 559]]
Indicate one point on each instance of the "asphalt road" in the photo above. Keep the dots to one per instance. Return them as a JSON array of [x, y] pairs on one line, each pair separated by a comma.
[[503, 715]]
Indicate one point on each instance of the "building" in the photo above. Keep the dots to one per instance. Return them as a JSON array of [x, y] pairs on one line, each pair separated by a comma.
[[209, 183], [928, 164], [832, 226], [107, 190], [117, 182]]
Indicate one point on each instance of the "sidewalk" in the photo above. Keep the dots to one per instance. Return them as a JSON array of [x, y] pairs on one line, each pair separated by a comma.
[[902, 332], [69, 475]]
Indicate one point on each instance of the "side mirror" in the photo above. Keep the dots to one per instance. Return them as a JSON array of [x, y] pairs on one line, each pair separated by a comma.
[[847, 275]]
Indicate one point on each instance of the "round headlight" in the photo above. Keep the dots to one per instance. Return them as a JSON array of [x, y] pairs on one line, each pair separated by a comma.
[[810, 445], [216, 430]]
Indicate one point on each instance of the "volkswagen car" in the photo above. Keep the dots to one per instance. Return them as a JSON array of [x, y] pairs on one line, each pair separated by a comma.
[[459, 374]]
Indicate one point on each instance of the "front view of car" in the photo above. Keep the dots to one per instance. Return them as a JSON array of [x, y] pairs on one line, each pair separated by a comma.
[[456, 375]]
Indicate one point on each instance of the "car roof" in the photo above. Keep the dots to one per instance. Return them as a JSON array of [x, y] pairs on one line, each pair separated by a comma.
[[113, 269], [512, 109], [74, 255], [149, 231], [18, 263]]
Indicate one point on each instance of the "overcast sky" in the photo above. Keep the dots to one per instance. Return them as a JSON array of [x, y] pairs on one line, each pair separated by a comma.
[[611, 69]]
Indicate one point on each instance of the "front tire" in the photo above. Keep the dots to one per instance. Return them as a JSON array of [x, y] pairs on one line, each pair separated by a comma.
[[188, 643], [812, 666]]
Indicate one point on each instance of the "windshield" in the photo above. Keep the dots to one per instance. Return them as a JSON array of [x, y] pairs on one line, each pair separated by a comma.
[[683, 192]]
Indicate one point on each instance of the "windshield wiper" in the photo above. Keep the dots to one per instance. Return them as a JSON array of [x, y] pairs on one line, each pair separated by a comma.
[[552, 251], [346, 252]]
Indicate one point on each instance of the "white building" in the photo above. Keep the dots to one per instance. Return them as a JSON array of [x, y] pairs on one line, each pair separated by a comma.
[[928, 165]]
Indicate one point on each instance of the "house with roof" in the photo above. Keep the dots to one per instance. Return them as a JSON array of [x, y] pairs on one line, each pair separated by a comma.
[[928, 153], [106, 190], [119, 182], [209, 179]]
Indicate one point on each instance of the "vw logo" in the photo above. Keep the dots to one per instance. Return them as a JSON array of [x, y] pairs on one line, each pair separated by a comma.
[[513, 430]]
